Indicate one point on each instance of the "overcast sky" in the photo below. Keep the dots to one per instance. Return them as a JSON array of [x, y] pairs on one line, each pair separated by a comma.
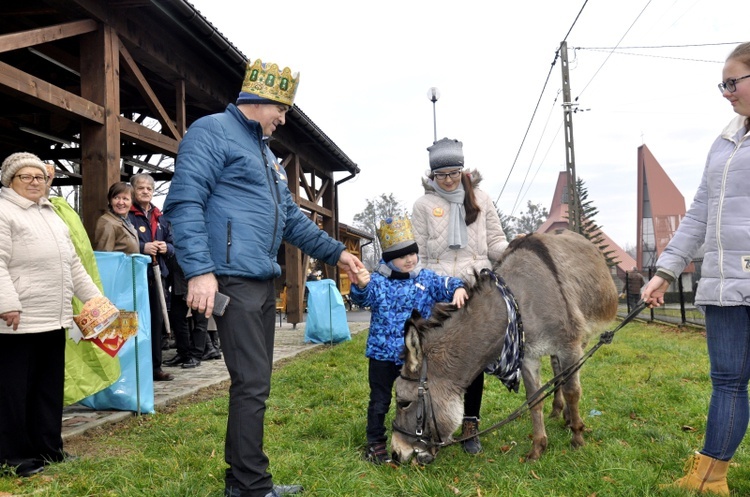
[[366, 68]]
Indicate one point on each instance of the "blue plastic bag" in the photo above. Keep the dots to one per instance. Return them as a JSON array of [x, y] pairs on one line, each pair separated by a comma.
[[134, 389], [326, 314]]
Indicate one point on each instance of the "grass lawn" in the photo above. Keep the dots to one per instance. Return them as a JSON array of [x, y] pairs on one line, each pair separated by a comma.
[[644, 403]]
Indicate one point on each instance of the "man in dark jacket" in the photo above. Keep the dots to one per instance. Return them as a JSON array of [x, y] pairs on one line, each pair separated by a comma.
[[155, 241], [230, 209]]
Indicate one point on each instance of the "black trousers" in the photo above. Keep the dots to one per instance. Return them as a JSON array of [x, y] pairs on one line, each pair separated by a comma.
[[381, 375], [157, 322], [189, 332], [32, 372], [473, 396], [247, 331]]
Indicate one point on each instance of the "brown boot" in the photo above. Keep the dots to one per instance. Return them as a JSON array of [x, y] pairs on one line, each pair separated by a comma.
[[469, 429], [704, 475]]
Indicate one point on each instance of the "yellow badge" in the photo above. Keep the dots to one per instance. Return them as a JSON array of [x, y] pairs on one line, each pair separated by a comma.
[[438, 212], [142, 229]]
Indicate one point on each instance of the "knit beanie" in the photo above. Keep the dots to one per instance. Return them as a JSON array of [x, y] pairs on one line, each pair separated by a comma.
[[446, 153], [19, 160]]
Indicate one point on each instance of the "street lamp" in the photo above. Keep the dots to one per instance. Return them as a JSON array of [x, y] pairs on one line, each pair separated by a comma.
[[433, 94]]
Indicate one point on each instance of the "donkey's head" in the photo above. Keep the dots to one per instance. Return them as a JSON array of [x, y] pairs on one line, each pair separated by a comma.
[[428, 409]]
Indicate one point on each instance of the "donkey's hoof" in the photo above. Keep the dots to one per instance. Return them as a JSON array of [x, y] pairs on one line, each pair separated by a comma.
[[577, 442]]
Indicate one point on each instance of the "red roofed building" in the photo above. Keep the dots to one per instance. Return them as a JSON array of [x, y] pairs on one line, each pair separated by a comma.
[[661, 207], [558, 221]]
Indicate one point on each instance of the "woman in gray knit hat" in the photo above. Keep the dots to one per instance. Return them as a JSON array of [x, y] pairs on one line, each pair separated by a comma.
[[458, 232], [39, 274]]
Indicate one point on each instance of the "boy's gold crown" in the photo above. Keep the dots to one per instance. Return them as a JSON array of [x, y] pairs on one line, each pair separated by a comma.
[[395, 231], [266, 81]]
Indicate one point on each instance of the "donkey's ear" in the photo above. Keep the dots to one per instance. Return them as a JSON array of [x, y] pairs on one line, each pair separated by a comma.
[[413, 356]]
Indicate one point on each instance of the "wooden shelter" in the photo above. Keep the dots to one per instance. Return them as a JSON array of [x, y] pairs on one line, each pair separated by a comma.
[[107, 88]]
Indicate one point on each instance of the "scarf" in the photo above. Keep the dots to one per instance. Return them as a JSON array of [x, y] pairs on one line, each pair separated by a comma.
[[457, 237], [125, 220], [389, 270]]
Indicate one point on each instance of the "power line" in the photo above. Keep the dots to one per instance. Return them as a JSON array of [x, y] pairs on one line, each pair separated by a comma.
[[615, 48], [652, 56], [536, 107]]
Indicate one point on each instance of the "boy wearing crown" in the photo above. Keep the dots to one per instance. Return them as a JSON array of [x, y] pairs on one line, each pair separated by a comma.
[[230, 208], [397, 287]]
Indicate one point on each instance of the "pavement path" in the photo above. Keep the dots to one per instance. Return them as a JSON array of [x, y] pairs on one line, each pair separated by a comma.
[[290, 341]]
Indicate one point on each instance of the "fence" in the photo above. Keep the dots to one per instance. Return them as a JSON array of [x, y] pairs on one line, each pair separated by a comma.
[[678, 305]]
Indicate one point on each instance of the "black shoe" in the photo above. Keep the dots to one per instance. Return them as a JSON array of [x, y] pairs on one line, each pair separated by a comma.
[[176, 361], [191, 363], [377, 454], [210, 355], [29, 467], [162, 376], [470, 428]]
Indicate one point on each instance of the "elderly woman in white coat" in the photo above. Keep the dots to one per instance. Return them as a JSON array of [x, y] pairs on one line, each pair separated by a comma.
[[39, 274], [458, 232]]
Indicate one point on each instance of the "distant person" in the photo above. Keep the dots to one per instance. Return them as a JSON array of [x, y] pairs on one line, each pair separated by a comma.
[[39, 275], [635, 282], [458, 232], [718, 219], [114, 231], [155, 241], [230, 208], [398, 286], [190, 331]]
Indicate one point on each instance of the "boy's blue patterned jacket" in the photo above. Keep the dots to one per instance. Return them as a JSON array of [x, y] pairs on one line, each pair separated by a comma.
[[391, 302]]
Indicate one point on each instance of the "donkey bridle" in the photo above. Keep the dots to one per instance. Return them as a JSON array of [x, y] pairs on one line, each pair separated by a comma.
[[423, 397]]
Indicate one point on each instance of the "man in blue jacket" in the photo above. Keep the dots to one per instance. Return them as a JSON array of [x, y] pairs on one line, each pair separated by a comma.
[[230, 208]]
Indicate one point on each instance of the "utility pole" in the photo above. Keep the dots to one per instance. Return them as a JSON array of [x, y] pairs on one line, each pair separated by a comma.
[[574, 204]]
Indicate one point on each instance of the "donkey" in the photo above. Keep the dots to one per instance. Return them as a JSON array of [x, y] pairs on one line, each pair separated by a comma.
[[565, 294]]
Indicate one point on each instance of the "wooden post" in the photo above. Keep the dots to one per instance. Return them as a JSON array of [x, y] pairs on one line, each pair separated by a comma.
[[100, 143]]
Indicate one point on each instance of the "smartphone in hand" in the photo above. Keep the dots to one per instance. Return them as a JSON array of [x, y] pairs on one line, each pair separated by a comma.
[[221, 302]]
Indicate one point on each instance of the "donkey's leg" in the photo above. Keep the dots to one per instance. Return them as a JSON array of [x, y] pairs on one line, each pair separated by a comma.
[[557, 401], [571, 390], [532, 382]]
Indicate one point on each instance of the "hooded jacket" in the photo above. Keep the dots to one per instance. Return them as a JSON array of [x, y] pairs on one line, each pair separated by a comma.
[[486, 239], [719, 217], [39, 268], [230, 206]]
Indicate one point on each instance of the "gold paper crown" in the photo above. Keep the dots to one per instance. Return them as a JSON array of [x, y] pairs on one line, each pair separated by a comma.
[[266, 81], [395, 232]]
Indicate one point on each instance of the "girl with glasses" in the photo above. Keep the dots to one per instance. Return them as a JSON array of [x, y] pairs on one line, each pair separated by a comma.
[[458, 232], [718, 220]]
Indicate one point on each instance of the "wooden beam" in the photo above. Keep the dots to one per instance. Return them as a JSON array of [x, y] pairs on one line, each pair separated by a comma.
[[23, 39], [100, 142], [155, 141], [22, 84], [152, 101], [180, 117], [311, 206]]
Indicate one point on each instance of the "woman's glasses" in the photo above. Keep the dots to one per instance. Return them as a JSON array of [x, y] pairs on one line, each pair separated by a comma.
[[452, 175], [730, 85], [28, 178]]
